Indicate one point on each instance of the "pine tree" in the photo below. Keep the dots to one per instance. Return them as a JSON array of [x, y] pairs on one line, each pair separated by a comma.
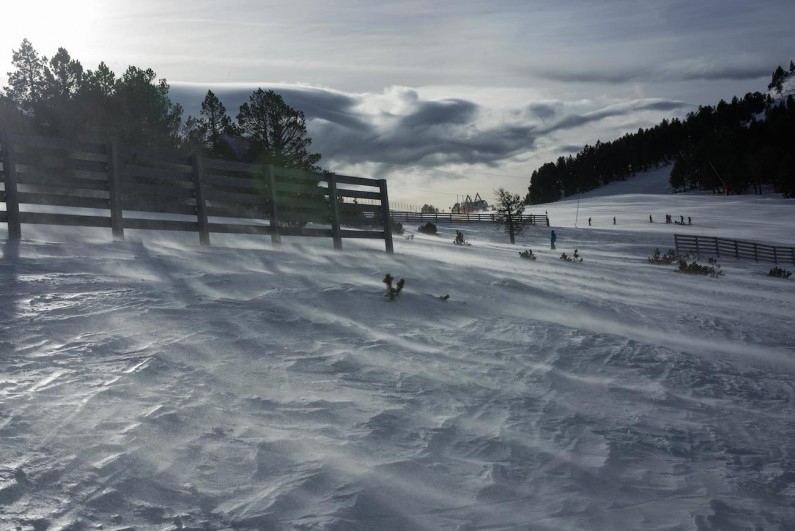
[[146, 116], [95, 102], [213, 131], [510, 208], [275, 132], [777, 80], [27, 83], [64, 76], [59, 113], [100, 82]]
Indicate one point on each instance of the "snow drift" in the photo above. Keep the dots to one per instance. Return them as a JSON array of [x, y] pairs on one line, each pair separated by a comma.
[[159, 385]]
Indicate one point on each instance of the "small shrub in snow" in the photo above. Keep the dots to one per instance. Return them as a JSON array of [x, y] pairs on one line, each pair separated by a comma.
[[393, 291], [428, 228], [576, 258], [459, 238], [668, 258], [694, 268], [528, 254], [780, 273], [397, 227], [444, 298], [410, 237]]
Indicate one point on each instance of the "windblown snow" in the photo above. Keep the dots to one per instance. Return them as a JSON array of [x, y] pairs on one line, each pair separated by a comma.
[[156, 384]]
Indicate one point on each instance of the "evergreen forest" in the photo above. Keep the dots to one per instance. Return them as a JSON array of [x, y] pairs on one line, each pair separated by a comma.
[[742, 146], [58, 97]]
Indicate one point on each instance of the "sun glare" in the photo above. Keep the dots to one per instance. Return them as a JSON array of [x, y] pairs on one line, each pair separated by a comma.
[[48, 25]]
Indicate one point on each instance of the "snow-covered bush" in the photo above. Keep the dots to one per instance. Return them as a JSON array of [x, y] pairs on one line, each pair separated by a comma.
[[575, 258], [397, 227], [393, 291], [459, 238], [428, 228], [528, 254], [668, 258], [780, 273], [694, 268]]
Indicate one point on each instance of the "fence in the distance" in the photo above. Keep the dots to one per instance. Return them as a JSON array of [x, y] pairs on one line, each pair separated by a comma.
[[738, 249], [63, 182], [418, 217]]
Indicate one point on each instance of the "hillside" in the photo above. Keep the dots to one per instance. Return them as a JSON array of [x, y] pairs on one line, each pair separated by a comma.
[[740, 146], [750, 217], [158, 385]]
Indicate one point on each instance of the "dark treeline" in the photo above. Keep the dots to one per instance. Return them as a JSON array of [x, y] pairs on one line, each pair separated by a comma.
[[734, 147], [58, 97]]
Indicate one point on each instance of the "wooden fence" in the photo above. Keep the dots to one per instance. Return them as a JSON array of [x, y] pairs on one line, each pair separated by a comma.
[[125, 189], [534, 219], [734, 248]]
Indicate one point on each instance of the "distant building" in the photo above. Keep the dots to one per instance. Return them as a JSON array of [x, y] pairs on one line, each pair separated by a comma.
[[470, 205]]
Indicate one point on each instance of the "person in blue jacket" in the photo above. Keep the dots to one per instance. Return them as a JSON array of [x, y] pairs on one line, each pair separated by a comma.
[[552, 239]]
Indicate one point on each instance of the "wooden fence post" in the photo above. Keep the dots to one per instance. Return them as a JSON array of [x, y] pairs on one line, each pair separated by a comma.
[[387, 219], [736, 250], [775, 256], [756, 254], [697, 249], [276, 238], [201, 205], [10, 179], [114, 191], [717, 248], [335, 211]]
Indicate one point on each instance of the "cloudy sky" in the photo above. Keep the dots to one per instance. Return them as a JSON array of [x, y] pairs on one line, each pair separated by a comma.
[[443, 98]]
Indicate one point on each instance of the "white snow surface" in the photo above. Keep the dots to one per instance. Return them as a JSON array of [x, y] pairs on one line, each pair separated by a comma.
[[156, 384]]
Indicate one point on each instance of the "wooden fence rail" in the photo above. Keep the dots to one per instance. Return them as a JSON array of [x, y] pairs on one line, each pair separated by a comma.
[[738, 249], [534, 219], [63, 182]]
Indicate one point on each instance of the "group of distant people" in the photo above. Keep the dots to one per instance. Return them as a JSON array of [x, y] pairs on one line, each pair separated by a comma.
[[669, 219], [589, 221]]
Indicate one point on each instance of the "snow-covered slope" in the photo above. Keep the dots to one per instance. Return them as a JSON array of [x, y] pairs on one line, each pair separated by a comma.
[[160, 385], [656, 181], [759, 218]]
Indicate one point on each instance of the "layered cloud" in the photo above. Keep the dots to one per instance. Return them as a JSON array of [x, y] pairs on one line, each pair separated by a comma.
[[677, 72], [399, 128]]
